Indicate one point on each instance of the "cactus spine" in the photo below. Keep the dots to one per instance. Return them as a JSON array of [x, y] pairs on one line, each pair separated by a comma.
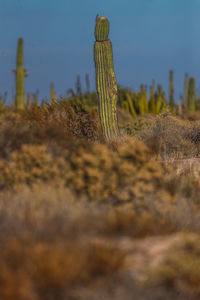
[[191, 94], [106, 84], [20, 73]]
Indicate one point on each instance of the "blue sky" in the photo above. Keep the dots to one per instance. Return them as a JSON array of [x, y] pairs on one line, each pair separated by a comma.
[[149, 38]]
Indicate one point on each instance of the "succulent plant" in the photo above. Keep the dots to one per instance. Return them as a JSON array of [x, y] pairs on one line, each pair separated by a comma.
[[191, 94], [186, 92], [20, 73], [106, 84], [53, 93]]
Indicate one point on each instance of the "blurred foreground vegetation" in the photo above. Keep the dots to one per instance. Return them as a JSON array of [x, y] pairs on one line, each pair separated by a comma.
[[82, 218]]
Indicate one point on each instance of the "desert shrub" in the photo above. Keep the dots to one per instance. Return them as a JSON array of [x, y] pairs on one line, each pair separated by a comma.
[[136, 125], [51, 124], [30, 164], [62, 115], [169, 137], [68, 200], [124, 173], [93, 169]]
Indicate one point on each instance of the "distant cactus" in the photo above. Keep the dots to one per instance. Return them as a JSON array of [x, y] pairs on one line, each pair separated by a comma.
[[3, 101], [171, 89], [78, 85], [143, 106], [36, 98], [164, 99], [152, 104], [186, 92], [130, 107], [106, 84], [126, 106], [180, 107], [141, 88], [20, 73], [153, 86], [191, 94], [159, 100], [52, 93], [146, 104], [87, 82], [28, 100]]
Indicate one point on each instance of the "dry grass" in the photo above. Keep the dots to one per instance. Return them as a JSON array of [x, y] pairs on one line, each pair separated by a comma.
[[180, 270], [53, 245], [47, 245], [69, 201], [49, 125]]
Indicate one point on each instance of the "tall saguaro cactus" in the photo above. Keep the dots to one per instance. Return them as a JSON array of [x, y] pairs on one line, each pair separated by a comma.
[[20, 73], [106, 84]]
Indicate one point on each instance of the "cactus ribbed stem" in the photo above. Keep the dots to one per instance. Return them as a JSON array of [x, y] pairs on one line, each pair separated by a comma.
[[101, 29], [20, 73], [106, 84]]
